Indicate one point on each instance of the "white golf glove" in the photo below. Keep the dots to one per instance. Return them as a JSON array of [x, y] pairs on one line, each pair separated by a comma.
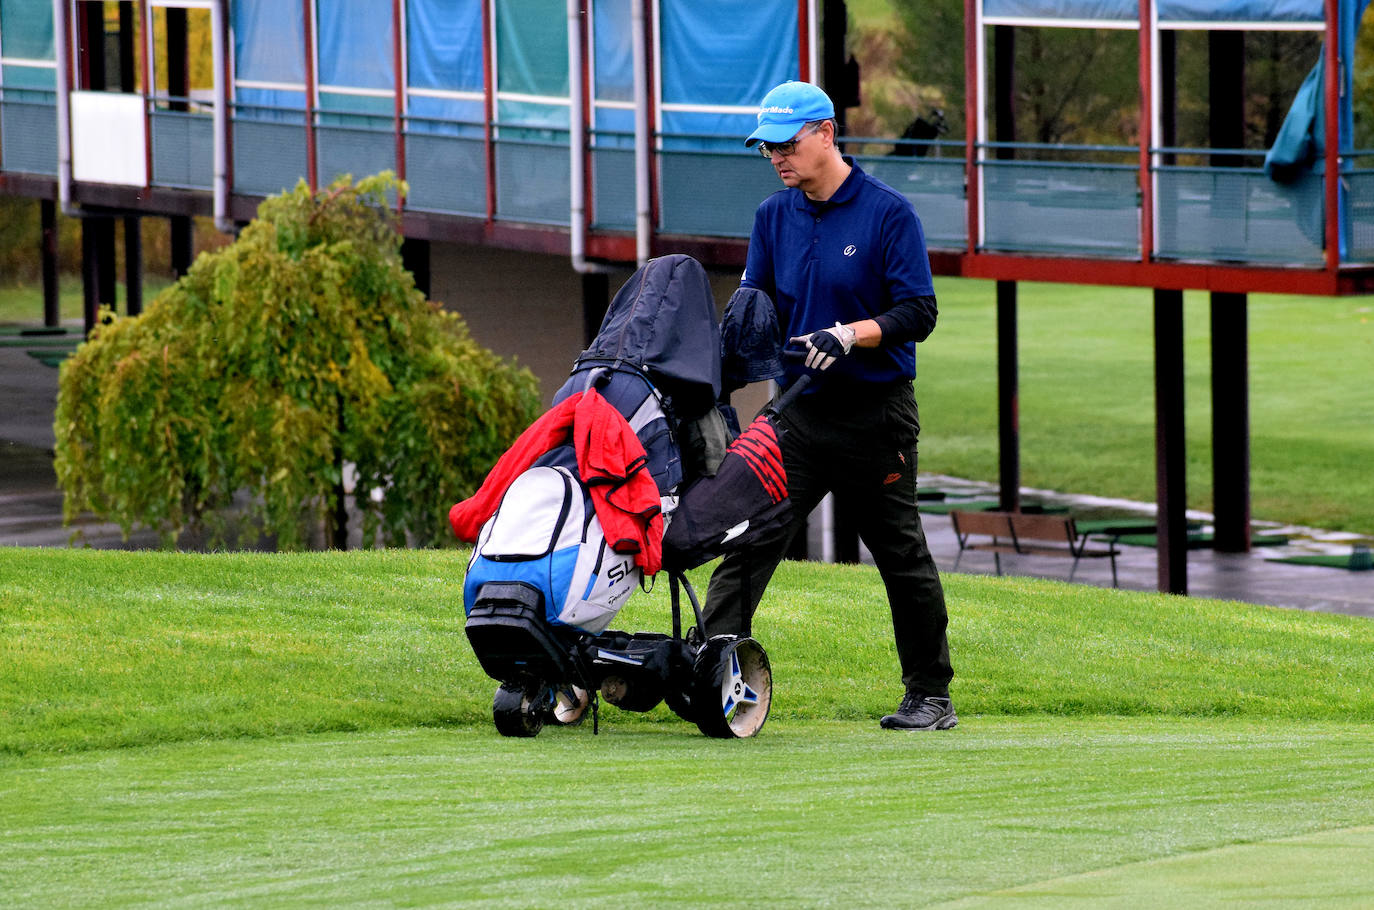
[[826, 346]]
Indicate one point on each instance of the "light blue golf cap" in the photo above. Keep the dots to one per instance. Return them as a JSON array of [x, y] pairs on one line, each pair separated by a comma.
[[787, 108]]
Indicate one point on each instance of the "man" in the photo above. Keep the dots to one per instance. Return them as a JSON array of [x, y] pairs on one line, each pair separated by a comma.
[[843, 257]]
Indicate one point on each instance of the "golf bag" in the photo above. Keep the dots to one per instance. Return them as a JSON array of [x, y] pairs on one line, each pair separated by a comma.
[[545, 535], [571, 521]]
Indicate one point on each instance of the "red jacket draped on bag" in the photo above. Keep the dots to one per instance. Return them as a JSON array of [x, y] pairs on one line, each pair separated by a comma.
[[611, 462]]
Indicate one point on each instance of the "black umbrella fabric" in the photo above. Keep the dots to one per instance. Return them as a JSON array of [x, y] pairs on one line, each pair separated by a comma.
[[663, 320]]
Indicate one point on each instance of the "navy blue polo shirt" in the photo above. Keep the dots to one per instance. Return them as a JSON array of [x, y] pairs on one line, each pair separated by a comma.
[[852, 257]]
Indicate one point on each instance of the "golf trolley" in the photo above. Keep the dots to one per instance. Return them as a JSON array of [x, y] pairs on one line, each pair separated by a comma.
[[553, 675], [587, 500]]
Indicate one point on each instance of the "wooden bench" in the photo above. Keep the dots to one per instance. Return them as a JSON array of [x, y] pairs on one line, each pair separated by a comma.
[[1025, 534]]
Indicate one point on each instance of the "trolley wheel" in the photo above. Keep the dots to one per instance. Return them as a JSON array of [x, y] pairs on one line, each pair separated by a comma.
[[568, 706], [732, 687], [518, 708]]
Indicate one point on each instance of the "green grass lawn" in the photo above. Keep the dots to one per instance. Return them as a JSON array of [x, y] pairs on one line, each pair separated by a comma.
[[23, 304], [273, 730], [1087, 397]]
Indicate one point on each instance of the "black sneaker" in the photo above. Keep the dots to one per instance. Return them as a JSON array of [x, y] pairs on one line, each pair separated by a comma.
[[921, 712]]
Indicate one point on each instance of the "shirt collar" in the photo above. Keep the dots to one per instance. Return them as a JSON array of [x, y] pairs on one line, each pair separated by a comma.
[[847, 190]]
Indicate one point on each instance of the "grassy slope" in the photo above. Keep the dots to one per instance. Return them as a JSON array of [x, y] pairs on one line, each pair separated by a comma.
[[1087, 397], [102, 649], [313, 728]]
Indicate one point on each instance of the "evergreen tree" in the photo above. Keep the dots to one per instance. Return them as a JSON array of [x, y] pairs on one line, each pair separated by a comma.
[[297, 354]]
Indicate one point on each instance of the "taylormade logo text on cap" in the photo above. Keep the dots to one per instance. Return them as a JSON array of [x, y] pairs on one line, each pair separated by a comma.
[[787, 108]]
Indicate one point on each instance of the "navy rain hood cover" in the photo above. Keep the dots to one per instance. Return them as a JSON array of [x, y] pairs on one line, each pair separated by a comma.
[[664, 320], [750, 339]]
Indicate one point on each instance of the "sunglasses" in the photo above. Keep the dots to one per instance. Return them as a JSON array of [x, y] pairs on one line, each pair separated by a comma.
[[766, 149]]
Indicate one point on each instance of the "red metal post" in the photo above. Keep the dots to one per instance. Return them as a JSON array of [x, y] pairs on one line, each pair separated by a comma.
[[489, 110], [398, 68], [227, 58], [91, 76], [1332, 65], [142, 41], [972, 113], [804, 41], [588, 115], [1146, 126], [311, 166], [654, 209]]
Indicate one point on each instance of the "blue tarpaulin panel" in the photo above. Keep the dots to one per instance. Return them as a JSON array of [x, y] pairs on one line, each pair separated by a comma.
[[706, 66], [1110, 10], [444, 52], [1300, 146], [444, 44], [532, 61], [1241, 11], [269, 41], [269, 46], [1168, 10], [354, 40], [613, 73], [706, 70], [613, 51]]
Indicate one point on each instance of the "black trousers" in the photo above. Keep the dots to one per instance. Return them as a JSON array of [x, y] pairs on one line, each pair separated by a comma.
[[859, 443]]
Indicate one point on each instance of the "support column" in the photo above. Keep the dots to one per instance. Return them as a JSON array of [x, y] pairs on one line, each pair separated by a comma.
[[1171, 475], [1008, 369], [181, 227], [839, 71], [1008, 400], [133, 265], [183, 240], [415, 256], [1230, 423], [97, 266], [1230, 345], [845, 532], [596, 299], [52, 299]]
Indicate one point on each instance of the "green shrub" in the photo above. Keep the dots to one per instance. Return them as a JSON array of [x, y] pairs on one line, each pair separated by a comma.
[[301, 348]]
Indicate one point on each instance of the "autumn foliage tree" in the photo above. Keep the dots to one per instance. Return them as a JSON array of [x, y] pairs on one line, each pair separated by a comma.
[[294, 359]]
